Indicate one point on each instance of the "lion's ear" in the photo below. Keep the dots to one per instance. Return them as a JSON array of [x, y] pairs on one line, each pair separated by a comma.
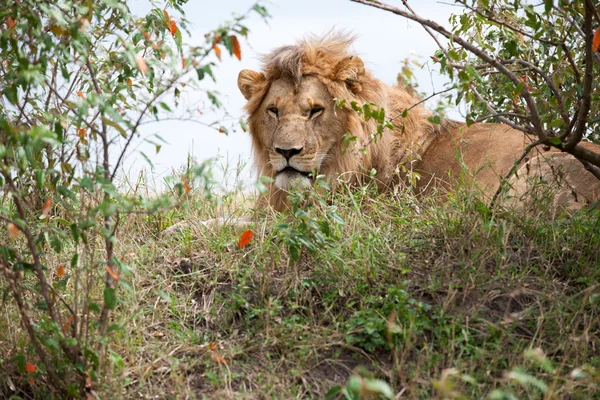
[[351, 70], [247, 81]]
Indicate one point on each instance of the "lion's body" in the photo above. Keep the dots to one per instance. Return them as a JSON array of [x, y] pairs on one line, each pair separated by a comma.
[[297, 129]]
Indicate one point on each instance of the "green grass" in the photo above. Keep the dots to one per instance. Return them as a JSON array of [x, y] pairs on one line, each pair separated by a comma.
[[437, 300]]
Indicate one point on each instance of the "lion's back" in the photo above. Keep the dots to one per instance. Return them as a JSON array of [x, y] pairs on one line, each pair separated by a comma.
[[485, 153]]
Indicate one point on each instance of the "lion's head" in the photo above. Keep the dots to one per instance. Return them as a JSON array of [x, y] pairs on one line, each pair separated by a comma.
[[298, 130]]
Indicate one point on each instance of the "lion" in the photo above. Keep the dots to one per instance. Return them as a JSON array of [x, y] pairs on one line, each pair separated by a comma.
[[301, 116]]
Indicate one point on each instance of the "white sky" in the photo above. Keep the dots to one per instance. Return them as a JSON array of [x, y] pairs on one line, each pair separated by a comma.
[[383, 41]]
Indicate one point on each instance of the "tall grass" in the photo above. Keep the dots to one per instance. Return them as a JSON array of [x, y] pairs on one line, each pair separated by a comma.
[[349, 289]]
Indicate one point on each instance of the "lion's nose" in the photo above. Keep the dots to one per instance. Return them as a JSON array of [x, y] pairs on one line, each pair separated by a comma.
[[288, 153]]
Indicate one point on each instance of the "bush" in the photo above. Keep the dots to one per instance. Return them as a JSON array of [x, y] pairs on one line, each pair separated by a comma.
[[78, 80]]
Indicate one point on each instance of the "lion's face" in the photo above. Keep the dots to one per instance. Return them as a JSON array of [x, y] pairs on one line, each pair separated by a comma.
[[300, 129]]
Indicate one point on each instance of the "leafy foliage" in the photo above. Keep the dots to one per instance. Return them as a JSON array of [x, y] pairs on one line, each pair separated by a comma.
[[79, 78], [543, 44]]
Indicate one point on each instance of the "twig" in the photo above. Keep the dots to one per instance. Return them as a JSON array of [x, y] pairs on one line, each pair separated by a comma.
[[10, 277], [509, 26], [496, 115], [586, 101], [513, 169], [37, 261], [560, 101], [139, 121], [421, 102]]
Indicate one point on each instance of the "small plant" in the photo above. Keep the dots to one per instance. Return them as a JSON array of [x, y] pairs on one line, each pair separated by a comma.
[[361, 386], [387, 322], [311, 227]]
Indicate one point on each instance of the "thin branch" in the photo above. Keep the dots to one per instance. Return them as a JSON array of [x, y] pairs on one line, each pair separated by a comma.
[[507, 114], [512, 171], [421, 102], [535, 116], [559, 99], [497, 115], [427, 29], [575, 25], [10, 277], [37, 260], [591, 168], [586, 100], [139, 121], [593, 10], [509, 26]]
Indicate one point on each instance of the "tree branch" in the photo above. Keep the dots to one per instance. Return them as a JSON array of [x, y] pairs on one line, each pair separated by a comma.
[[586, 100], [511, 172], [535, 116]]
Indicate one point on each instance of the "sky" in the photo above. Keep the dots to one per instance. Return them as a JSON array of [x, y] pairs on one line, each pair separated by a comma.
[[383, 41]]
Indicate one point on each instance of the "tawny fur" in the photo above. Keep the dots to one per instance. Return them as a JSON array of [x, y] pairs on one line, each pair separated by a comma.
[[438, 153]]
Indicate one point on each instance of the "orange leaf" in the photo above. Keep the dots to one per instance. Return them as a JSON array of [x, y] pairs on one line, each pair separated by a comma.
[[235, 46], [596, 41], [183, 62], [245, 239], [13, 231], [10, 23], [30, 380], [172, 27], [146, 35], [129, 82], [218, 359], [112, 273], [29, 368], [141, 63], [186, 187], [47, 207], [82, 134], [521, 38], [68, 323], [81, 94], [217, 51], [60, 272], [212, 346]]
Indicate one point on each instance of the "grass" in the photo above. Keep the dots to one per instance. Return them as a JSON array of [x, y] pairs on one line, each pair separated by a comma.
[[438, 300]]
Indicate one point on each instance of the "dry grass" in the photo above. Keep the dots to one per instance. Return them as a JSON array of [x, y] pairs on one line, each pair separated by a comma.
[[437, 300]]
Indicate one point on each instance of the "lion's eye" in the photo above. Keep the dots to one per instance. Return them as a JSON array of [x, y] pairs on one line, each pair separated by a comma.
[[316, 111], [273, 110]]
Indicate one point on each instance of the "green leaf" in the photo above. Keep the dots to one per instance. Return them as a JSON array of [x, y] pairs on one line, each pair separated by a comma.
[[333, 392], [163, 295], [380, 387], [40, 175], [165, 106], [293, 249], [113, 124], [435, 119], [555, 141], [519, 375], [42, 305], [110, 298]]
